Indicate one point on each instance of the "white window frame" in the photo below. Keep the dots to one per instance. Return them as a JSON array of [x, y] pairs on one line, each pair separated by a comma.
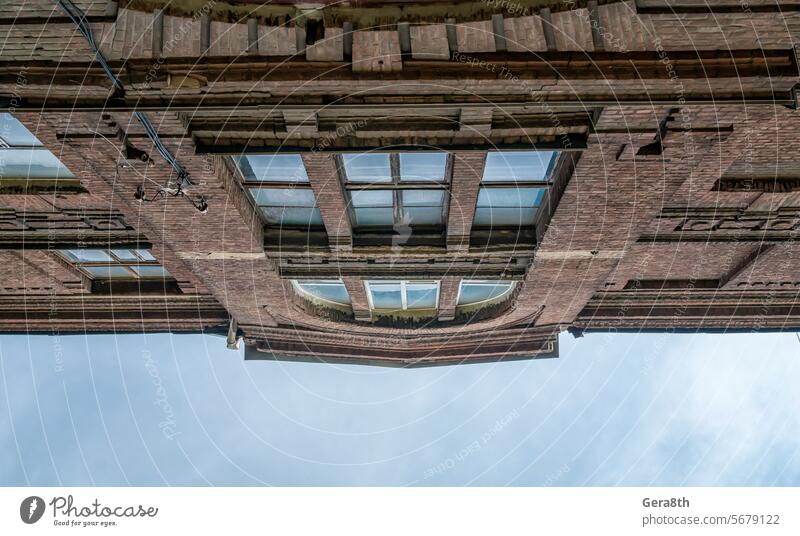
[[487, 282], [403, 296], [297, 284]]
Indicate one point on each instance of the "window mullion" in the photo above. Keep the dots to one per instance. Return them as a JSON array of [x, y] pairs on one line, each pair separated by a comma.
[[368, 288], [445, 205], [398, 207], [394, 165], [449, 169]]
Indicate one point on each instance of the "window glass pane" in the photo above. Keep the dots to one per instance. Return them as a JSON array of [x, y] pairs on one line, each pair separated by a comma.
[[302, 216], [422, 216], [372, 198], [88, 255], [150, 270], [273, 167], [510, 197], [14, 133], [32, 163], [487, 217], [319, 282], [109, 272], [334, 292], [374, 216], [367, 167], [478, 292], [421, 295], [423, 198], [386, 296], [146, 255], [423, 166], [280, 197], [422, 207], [517, 165], [125, 254]]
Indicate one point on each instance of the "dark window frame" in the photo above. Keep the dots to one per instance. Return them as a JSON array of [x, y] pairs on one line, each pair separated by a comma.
[[281, 237], [526, 237], [396, 186], [545, 183], [249, 184]]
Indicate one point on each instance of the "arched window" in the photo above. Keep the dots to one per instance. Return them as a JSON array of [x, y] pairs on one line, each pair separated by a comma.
[[480, 292], [324, 291]]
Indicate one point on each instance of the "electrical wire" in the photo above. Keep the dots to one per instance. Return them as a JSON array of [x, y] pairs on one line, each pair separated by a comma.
[[183, 175], [79, 19], [77, 16]]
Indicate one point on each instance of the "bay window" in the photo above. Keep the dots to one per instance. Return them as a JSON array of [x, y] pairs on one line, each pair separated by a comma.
[[393, 296]]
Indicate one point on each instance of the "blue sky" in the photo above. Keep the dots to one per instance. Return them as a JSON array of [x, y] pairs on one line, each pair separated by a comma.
[[624, 409]]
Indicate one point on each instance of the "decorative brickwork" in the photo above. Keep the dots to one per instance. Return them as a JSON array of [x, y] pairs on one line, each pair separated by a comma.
[[674, 205]]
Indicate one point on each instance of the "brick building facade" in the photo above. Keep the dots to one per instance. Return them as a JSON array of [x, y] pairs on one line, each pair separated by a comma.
[[470, 180]]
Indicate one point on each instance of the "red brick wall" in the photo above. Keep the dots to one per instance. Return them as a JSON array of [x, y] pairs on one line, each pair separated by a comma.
[[467, 174]]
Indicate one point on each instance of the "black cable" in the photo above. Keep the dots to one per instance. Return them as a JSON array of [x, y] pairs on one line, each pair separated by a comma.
[[79, 19], [183, 175]]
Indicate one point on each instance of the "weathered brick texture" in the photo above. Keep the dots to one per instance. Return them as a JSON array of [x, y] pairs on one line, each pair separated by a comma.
[[230, 39], [358, 298], [448, 296], [475, 37], [572, 30], [525, 34], [324, 179], [622, 216], [467, 173]]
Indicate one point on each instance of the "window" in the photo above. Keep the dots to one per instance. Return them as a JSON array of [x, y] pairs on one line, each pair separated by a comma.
[[423, 166], [368, 167], [272, 168], [23, 157], [518, 166], [483, 292], [390, 296], [389, 190], [507, 207], [294, 207], [116, 263], [280, 189], [513, 187], [330, 291]]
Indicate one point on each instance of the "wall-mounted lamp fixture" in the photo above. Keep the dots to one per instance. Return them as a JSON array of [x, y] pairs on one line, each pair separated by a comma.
[[163, 193]]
